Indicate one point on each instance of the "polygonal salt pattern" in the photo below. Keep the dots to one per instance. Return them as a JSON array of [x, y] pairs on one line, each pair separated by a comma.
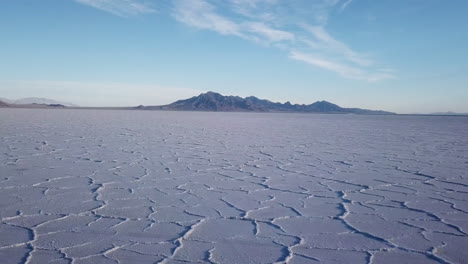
[[85, 186]]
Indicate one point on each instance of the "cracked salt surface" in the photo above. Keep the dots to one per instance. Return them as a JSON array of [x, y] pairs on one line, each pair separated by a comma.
[[79, 186]]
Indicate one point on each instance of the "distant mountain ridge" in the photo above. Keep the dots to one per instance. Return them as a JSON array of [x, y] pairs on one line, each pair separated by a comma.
[[448, 113], [36, 100], [212, 101], [3, 103]]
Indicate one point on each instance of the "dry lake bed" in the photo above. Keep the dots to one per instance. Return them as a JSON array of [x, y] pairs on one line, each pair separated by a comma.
[[86, 186]]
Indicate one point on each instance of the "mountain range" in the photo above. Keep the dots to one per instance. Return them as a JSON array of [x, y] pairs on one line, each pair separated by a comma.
[[35, 100], [212, 101]]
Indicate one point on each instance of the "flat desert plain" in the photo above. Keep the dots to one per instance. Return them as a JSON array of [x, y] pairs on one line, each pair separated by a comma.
[[89, 186]]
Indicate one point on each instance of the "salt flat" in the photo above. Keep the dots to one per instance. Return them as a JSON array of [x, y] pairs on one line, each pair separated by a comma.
[[83, 186]]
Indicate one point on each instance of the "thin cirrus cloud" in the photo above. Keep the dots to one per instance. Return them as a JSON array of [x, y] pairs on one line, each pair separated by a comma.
[[202, 15], [324, 41], [120, 7], [342, 69], [345, 5], [298, 27]]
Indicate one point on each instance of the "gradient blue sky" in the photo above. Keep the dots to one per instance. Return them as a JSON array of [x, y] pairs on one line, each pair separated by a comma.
[[399, 55]]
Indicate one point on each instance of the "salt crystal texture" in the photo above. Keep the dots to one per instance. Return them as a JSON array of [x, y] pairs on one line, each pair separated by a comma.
[[84, 186]]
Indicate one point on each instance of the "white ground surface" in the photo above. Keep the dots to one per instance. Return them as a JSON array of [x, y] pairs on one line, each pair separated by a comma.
[[79, 186]]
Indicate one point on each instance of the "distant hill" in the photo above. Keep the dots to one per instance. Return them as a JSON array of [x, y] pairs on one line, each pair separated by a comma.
[[212, 101], [8, 101], [3, 104], [448, 113], [56, 105], [36, 100]]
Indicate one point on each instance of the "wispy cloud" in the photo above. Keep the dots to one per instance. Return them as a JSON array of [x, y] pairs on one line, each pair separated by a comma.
[[298, 27], [345, 5], [120, 7], [202, 15], [267, 32], [324, 41], [342, 69]]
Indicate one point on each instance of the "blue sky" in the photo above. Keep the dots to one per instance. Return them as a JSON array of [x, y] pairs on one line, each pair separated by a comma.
[[399, 55]]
